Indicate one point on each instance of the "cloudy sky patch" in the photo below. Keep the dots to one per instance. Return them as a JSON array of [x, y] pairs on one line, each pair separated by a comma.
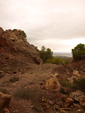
[[57, 24]]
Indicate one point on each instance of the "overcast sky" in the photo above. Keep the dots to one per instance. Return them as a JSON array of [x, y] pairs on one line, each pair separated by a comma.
[[56, 24]]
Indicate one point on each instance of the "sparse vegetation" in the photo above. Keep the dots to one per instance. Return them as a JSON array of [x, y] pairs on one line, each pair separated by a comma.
[[26, 93], [13, 79], [79, 84], [29, 93], [24, 34], [47, 57], [65, 83], [22, 93]]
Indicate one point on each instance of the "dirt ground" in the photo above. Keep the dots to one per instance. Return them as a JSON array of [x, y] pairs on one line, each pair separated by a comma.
[[33, 78]]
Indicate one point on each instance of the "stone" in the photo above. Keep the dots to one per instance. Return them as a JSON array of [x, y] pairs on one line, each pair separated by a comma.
[[76, 106], [61, 110], [65, 90], [55, 74], [53, 83], [6, 110], [77, 95], [76, 76], [69, 102], [76, 73], [4, 100], [56, 107], [64, 110], [50, 102], [72, 79], [79, 111], [82, 103], [16, 111], [63, 97]]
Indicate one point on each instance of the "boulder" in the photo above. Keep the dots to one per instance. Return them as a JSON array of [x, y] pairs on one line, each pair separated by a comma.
[[76, 73], [75, 76], [82, 103], [77, 95], [53, 83], [5, 110], [4, 100], [69, 102]]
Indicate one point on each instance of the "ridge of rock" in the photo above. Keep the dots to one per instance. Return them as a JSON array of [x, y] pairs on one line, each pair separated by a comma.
[[15, 48]]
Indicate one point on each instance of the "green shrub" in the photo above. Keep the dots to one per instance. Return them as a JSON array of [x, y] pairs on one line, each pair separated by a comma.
[[30, 93], [24, 34], [79, 84], [47, 57], [57, 61], [67, 61], [46, 54], [13, 79], [79, 52], [14, 30], [65, 83]]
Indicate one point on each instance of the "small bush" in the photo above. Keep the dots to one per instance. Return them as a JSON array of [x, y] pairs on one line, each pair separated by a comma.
[[29, 93], [79, 84], [57, 61], [65, 83], [26, 93], [22, 93], [14, 30], [24, 34], [1, 75], [13, 79]]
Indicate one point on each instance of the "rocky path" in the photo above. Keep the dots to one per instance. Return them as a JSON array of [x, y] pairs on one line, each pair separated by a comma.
[[43, 96]]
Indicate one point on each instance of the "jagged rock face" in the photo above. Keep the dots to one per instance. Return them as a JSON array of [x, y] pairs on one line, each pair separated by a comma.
[[13, 45]]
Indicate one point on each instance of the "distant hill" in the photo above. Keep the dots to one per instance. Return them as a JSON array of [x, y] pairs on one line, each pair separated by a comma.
[[61, 54]]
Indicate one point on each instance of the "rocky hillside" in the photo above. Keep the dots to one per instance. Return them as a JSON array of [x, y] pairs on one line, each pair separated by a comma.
[[15, 51], [26, 87]]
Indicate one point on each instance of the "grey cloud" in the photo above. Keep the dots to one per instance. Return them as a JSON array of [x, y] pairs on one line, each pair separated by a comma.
[[45, 20]]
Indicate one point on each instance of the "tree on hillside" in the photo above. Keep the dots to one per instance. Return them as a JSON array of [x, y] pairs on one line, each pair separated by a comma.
[[46, 54], [79, 52]]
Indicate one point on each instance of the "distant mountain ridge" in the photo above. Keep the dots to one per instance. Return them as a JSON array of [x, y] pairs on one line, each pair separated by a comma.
[[62, 54]]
